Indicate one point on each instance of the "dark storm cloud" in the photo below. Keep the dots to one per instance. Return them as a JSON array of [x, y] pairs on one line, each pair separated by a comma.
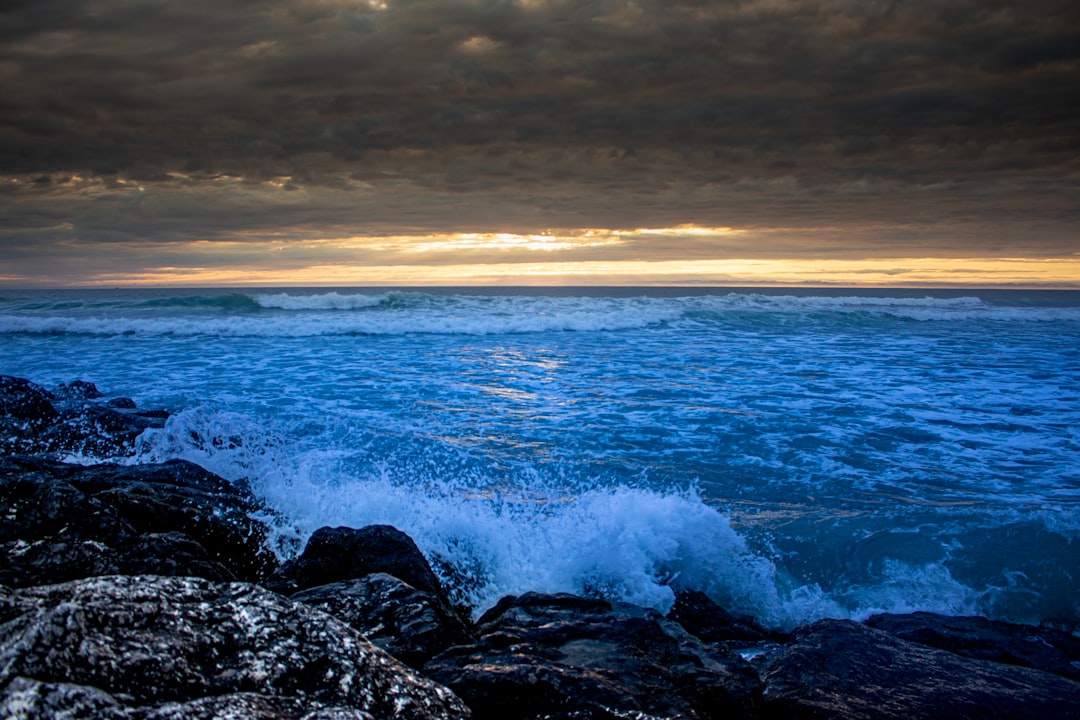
[[164, 120]]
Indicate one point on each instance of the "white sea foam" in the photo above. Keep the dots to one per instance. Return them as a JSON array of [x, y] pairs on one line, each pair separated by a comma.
[[327, 314], [906, 588], [520, 315], [559, 458], [627, 544], [327, 301]]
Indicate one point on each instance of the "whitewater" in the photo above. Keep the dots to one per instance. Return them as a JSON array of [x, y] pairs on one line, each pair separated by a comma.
[[796, 454]]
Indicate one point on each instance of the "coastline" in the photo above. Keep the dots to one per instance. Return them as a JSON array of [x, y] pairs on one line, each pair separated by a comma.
[[113, 569]]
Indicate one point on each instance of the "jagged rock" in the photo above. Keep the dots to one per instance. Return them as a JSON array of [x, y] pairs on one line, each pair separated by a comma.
[[703, 618], [566, 656], [78, 390], [343, 553], [157, 647], [172, 553], [843, 669], [1041, 648], [25, 409], [22, 400], [96, 431], [412, 625], [73, 420], [60, 522]]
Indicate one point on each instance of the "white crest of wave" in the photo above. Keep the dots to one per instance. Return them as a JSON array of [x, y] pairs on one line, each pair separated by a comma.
[[396, 313], [415, 315], [907, 308], [626, 544], [325, 301], [907, 588]]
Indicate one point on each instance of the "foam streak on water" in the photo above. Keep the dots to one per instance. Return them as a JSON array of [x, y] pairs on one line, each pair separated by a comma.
[[795, 454]]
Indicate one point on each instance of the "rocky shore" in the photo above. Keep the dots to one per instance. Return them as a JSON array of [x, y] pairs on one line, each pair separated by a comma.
[[149, 592]]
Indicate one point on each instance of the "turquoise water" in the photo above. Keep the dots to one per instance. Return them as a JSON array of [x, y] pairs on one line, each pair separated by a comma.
[[796, 454]]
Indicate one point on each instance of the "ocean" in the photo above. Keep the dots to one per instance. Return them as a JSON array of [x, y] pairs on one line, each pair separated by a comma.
[[796, 454]]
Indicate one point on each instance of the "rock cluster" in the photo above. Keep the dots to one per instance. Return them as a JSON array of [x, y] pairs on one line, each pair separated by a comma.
[[73, 419], [147, 593]]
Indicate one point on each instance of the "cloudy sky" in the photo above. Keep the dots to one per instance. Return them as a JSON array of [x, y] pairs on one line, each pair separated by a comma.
[[411, 142]]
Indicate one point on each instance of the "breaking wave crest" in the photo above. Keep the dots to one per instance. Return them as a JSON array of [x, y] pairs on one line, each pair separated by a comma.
[[400, 313], [487, 540]]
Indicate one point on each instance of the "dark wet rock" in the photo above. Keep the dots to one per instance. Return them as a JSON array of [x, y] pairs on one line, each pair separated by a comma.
[[343, 553], [25, 409], [28, 699], [154, 647], [72, 420], [153, 414], [60, 522], [412, 625], [706, 620], [96, 431], [566, 656], [842, 669], [171, 553], [77, 390], [1041, 648], [22, 400], [33, 699]]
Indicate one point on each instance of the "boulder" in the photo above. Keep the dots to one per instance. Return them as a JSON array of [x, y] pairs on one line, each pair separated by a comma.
[[77, 390], [96, 431], [548, 656], [842, 669], [22, 400], [156, 647], [1041, 648], [412, 625], [75, 419], [61, 522], [25, 409], [338, 554], [709, 622]]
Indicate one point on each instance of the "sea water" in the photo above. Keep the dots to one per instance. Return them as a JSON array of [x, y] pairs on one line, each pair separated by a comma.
[[796, 454]]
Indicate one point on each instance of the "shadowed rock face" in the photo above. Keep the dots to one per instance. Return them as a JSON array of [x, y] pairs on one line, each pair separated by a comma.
[[343, 553], [155, 647], [62, 522], [412, 625], [1040, 648], [22, 400], [843, 669], [376, 579], [567, 656], [75, 419], [698, 614]]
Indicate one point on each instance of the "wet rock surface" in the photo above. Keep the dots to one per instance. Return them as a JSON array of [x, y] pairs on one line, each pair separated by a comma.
[[412, 625], [563, 655], [75, 419], [844, 669], [149, 646], [62, 522], [343, 553], [1040, 648]]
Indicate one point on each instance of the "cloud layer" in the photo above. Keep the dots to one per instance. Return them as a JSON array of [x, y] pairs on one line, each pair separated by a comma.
[[829, 128]]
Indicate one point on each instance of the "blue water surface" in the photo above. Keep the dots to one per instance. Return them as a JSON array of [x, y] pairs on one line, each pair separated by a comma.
[[796, 454]]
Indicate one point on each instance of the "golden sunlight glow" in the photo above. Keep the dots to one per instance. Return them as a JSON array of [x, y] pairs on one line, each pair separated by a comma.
[[911, 272], [455, 242], [478, 45], [676, 255], [684, 230]]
